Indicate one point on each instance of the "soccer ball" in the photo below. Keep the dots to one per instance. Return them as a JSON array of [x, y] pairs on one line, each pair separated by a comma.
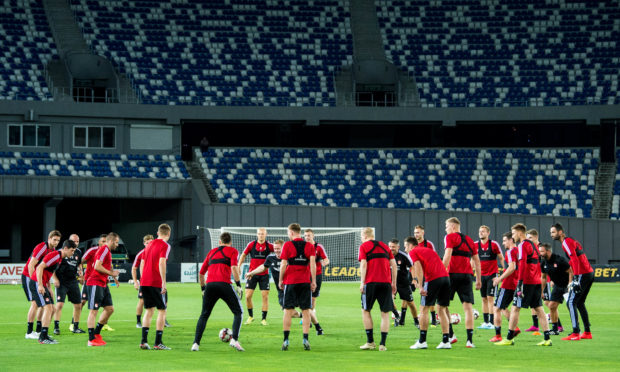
[[476, 314], [455, 318], [225, 334]]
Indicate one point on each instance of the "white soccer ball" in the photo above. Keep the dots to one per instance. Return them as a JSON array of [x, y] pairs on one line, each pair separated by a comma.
[[476, 314], [225, 334], [14, 282], [130, 281], [455, 318]]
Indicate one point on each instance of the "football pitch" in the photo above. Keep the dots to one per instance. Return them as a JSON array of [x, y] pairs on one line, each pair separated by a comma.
[[338, 350]]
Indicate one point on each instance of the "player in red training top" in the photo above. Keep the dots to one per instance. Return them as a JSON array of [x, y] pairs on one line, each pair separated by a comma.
[[39, 286], [460, 250], [136, 282], [153, 286], [98, 291], [378, 283], [509, 279], [321, 260], [258, 250], [298, 280], [219, 264], [529, 291], [581, 283], [418, 234], [429, 269], [488, 251], [53, 238], [88, 260]]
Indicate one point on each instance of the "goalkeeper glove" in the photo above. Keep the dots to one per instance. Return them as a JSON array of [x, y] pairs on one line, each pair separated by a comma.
[[519, 290], [574, 287], [238, 289]]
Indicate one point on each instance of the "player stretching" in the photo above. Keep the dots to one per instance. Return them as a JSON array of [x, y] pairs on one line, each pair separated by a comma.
[[98, 291], [298, 280], [509, 279], [67, 273], [418, 234], [153, 286], [559, 271], [136, 282], [258, 250], [460, 249], [532, 235], [40, 285], [404, 282], [436, 288], [219, 264], [378, 283], [53, 238], [529, 291], [321, 260], [581, 283], [488, 251]]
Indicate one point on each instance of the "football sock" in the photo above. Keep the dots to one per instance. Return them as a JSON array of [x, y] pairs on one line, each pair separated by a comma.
[[535, 320], [396, 314], [43, 334], [486, 317], [451, 331], [491, 318], [383, 338], [470, 335], [416, 321], [98, 329], [158, 336], [264, 315], [403, 312], [554, 326], [76, 325], [30, 327], [511, 334], [286, 333], [445, 338], [498, 331], [137, 318], [369, 336], [91, 334], [576, 330], [433, 318], [38, 326], [423, 336], [306, 336], [318, 327], [56, 324], [145, 335], [559, 322], [251, 313], [546, 335]]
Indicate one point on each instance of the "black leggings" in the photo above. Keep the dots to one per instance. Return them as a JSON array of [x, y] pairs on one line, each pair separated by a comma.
[[213, 292]]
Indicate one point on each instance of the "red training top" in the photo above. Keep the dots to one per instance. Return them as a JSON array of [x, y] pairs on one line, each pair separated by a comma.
[[218, 263], [512, 255], [463, 248], [378, 257], [88, 258], [576, 257], [529, 263], [297, 253], [320, 255], [258, 252], [150, 275], [426, 244], [52, 260], [38, 252], [96, 278], [488, 257], [138, 259], [430, 261]]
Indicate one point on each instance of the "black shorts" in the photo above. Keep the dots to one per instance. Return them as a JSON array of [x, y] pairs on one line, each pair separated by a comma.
[[380, 292], [40, 299], [405, 293], [153, 298], [84, 292], [319, 281], [26, 287], [139, 293], [462, 284], [504, 298], [98, 297], [531, 297], [70, 290], [557, 294], [437, 291], [261, 280], [488, 289], [297, 295]]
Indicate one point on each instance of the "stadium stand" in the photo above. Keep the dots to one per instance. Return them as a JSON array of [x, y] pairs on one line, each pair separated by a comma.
[[615, 207], [505, 53], [238, 52], [27, 47], [525, 181], [92, 165]]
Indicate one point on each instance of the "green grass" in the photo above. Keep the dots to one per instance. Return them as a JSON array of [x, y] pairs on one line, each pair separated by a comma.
[[339, 314]]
